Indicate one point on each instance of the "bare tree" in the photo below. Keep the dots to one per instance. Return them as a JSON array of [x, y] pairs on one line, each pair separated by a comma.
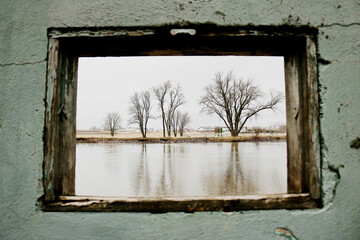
[[179, 121], [184, 119], [169, 99], [235, 101], [140, 107], [95, 128], [160, 93], [176, 99], [112, 122], [257, 131]]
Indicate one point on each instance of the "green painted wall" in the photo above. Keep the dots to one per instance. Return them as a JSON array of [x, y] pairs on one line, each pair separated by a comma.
[[23, 46]]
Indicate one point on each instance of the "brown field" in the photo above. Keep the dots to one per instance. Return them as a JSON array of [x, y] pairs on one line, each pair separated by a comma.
[[104, 136]]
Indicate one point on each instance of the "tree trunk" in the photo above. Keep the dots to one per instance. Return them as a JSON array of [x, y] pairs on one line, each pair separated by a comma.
[[168, 129], [143, 133], [163, 122], [234, 133]]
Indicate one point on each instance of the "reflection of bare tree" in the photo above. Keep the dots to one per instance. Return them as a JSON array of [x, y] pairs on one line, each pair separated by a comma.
[[235, 182], [181, 148], [111, 153], [142, 178], [166, 185]]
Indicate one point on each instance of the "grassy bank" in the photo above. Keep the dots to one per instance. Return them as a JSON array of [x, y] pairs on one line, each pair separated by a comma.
[[245, 138]]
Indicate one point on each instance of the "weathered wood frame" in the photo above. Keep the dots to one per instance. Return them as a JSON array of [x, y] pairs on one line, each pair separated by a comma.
[[297, 45], [60, 123]]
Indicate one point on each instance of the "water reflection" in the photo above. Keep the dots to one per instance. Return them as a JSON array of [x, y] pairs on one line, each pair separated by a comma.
[[167, 178], [180, 169], [233, 181], [142, 180]]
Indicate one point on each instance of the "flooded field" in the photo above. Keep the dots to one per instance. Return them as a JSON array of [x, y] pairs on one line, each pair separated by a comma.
[[180, 169]]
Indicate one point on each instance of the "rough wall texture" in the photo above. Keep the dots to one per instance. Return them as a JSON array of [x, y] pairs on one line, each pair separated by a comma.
[[23, 46]]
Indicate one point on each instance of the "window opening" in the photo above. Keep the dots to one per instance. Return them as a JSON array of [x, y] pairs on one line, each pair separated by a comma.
[[203, 162]]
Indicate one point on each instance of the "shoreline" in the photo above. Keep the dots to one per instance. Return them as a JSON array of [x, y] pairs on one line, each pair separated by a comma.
[[267, 138]]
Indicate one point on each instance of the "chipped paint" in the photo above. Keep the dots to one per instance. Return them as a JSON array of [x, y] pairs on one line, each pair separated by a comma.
[[285, 232], [355, 143]]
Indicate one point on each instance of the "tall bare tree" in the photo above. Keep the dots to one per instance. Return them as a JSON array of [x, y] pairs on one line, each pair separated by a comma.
[[184, 120], [140, 107], [235, 100], [169, 99], [176, 99], [160, 93], [112, 122]]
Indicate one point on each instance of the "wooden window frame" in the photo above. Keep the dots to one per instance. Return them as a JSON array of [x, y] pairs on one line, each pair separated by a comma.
[[298, 47]]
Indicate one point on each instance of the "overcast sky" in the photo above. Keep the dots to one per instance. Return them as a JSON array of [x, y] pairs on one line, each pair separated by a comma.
[[105, 84]]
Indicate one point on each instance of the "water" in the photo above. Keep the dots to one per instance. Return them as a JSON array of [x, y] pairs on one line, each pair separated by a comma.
[[180, 169]]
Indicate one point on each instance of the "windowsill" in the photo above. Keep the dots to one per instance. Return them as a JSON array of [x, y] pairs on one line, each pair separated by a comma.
[[181, 204]]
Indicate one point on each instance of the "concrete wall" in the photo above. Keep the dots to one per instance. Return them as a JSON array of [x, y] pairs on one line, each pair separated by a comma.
[[23, 48]]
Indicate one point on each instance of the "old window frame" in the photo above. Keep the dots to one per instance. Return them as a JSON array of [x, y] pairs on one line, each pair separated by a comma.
[[297, 45]]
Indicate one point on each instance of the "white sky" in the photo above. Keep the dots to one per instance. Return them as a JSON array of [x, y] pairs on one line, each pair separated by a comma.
[[105, 84]]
